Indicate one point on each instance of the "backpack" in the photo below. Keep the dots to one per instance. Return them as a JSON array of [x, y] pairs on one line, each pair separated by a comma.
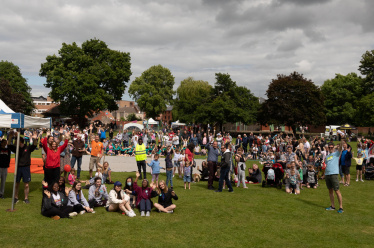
[[271, 174]]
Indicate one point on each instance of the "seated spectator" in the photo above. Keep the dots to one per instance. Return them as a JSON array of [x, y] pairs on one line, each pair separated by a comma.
[[165, 196], [77, 199], [55, 203], [197, 150], [129, 190], [106, 172], [254, 174], [118, 200], [144, 194], [204, 172], [97, 194]]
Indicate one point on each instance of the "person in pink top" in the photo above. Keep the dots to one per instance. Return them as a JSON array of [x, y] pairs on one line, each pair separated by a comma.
[[52, 162], [143, 195], [72, 177]]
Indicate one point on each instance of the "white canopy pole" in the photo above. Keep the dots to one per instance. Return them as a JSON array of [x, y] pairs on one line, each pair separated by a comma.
[[15, 172]]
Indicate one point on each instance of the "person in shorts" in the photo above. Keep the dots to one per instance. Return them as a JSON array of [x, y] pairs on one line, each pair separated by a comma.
[[97, 151], [332, 175], [187, 175], [24, 162]]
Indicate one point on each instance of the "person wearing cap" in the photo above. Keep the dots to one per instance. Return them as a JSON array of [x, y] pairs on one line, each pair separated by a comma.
[[140, 157], [119, 200]]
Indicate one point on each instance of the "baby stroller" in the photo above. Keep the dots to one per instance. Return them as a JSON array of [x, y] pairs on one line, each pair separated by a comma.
[[369, 173], [273, 175]]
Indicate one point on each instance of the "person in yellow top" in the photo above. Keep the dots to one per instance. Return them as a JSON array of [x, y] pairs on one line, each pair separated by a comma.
[[97, 151], [359, 161], [141, 156]]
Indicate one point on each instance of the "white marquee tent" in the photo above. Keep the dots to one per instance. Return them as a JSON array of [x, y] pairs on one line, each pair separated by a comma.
[[10, 119]]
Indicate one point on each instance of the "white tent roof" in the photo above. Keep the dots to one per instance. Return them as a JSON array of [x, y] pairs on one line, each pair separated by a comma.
[[177, 123], [152, 122], [4, 109], [9, 119], [140, 126]]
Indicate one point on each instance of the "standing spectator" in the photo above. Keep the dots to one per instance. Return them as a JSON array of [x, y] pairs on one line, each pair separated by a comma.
[[225, 168], [250, 140], [238, 142], [345, 164], [331, 176], [65, 157], [4, 165], [24, 162], [245, 143], [111, 134], [97, 151], [213, 154], [77, 153], [53, 158], [140, 157], [125, 139]]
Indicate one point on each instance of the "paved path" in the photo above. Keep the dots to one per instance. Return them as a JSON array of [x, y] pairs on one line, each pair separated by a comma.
[[125, 164]]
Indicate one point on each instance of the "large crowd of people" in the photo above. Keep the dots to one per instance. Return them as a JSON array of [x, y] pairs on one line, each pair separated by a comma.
[[295, 163]]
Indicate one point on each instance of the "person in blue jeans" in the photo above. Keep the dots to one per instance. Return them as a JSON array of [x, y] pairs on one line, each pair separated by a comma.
[[77, 152], [169, 166], [225, 168]]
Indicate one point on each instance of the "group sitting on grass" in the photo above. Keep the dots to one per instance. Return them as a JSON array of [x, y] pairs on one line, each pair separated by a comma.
[[65, 202]]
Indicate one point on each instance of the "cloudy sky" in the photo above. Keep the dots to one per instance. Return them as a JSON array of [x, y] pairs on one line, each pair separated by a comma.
[[252, 40]]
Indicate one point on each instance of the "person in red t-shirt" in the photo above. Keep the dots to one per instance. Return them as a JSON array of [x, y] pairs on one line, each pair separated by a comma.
[[189, 157]]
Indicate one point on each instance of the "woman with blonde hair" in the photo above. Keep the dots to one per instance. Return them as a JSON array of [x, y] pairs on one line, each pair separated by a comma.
[[165, 196]]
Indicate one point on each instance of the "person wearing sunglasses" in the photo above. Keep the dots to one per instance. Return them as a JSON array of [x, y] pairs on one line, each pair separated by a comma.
[[332, 175]]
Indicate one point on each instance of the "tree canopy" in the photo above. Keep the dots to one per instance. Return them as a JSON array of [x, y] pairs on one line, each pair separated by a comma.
[[199, 102], [11, 74], [190, 95], [86, 79], [153, 90], [293, 100], [367, 69], [341, 95]]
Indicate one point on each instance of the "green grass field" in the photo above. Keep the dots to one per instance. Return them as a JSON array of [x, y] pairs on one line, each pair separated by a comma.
[[256, 217]]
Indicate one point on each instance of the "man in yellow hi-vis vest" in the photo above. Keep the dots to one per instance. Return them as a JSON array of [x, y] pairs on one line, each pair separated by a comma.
[[141, 156]]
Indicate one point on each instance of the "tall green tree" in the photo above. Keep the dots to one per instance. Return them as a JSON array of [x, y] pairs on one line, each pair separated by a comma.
[[12, 74], [86, 79], [341, 95], [153, 90], [12, 99], [365, 111], [293, 100], [367, 68], [190, 95], [228, 103]]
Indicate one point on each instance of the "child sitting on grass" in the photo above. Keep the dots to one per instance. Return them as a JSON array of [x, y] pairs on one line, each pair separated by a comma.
[[293, 179], [311, 177], [155, 165]]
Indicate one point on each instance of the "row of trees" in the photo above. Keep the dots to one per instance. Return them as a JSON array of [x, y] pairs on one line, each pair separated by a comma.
[[88, 78]]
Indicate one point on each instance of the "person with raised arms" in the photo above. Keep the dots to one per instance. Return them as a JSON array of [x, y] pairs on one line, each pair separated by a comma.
[[332, 175]]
